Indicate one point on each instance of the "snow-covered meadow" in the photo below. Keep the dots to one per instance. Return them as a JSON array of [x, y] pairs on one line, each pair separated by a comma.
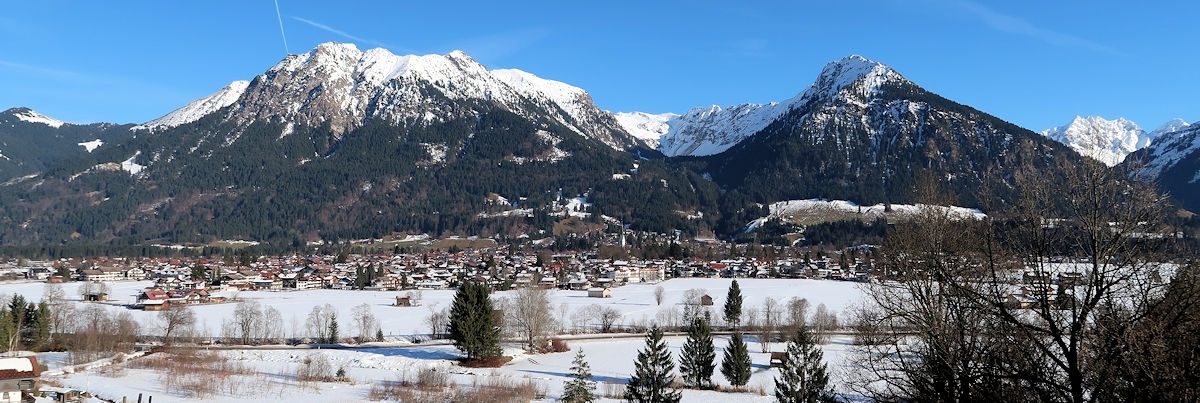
[[271, 372], [636, 302]]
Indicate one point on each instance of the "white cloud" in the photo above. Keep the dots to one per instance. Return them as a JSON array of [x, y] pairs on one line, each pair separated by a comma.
[[1016, 25]]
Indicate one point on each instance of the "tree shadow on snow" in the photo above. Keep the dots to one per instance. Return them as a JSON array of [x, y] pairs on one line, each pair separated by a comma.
[[414, 353], [596, 378]]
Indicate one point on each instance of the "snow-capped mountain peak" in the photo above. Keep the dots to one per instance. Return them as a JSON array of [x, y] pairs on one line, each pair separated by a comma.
[[198, 108], [840, 74], [713, 129], [1171, 126], [344, 87], [1107, 141], [31, 116]]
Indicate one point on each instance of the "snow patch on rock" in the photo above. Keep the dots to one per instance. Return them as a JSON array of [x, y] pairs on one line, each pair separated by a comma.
[[91, 145], [132, 167]]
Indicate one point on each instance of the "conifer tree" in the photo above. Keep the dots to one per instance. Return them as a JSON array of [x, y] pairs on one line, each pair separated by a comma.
[[17, 315], [333, 328], [472, 325], [651, 381], [580, 389], [41, 332], [736, 363], [697, 361], [7, 330], [733, 305], [803, 377]]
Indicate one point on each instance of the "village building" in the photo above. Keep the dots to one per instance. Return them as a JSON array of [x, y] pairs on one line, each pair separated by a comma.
[[600, 293], [17, 378]]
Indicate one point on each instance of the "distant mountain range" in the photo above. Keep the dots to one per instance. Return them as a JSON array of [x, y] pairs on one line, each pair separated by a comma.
[[1168, 155], [340, 143], [1108, 141]]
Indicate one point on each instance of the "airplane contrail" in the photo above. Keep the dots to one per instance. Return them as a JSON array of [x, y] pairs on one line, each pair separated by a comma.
[[281, 33]]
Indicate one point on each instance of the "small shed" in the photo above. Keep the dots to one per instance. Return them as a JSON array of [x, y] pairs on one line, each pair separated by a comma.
[[96, 297], [600, 292], [403, 301], [778, 359], [17, 376], [706, 300]]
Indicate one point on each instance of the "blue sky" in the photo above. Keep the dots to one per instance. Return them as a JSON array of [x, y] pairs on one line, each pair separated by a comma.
[[1035, 63]]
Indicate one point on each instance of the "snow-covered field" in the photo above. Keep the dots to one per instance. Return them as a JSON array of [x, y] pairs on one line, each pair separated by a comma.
[[272, 372], [636, 301], [272, 377]]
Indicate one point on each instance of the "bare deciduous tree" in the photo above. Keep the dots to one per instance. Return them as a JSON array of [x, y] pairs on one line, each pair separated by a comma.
[[659, 294], [175, 320], [604, 316], [692, 305], [751, 319], [770, 322], [438, 321], [53, 294], [247, 321], [1112, 228], [824, 322], [1037, 301], [563, 319], [272, 325], [61, 313], [414, 297], [364, 322], [797, 313], [318, 322], [529, 312]]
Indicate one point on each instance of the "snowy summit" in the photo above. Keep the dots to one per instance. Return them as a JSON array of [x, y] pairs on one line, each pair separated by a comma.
[[1107, 141], [31, 116], [713, 129], [198, 108], [340, 85]]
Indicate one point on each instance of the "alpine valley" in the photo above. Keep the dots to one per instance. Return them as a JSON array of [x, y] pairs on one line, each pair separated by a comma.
[[339, 143]]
